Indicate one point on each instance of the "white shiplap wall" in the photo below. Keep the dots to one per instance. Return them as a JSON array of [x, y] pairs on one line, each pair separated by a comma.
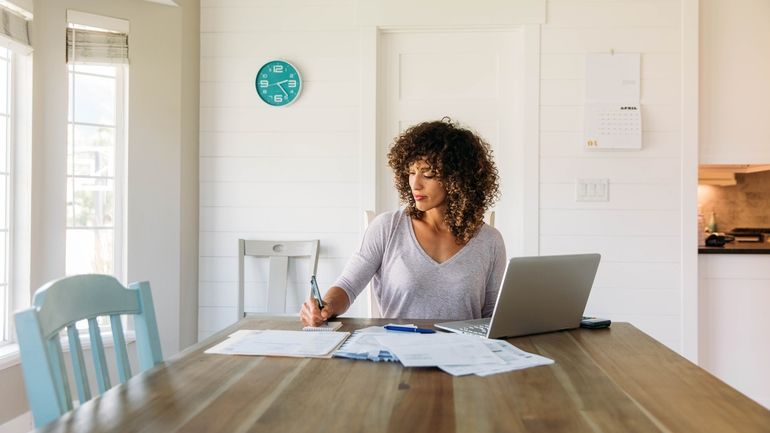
[[294, 172], [276, 173], [637, 230]]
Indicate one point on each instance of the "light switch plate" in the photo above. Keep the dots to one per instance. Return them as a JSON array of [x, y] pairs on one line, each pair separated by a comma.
[[592, 190]]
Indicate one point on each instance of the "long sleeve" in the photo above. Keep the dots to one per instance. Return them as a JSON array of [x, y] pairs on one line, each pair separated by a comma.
[[495, 278], [365, 262]]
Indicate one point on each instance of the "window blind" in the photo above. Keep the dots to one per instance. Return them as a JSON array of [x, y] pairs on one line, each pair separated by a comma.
[[14, 26], [96, 46]]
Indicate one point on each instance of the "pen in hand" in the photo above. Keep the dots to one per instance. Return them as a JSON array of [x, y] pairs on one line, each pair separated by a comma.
[[315, 293]]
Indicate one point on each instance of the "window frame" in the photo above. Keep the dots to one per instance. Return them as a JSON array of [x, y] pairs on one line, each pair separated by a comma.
[[6, 331], [18, 294]]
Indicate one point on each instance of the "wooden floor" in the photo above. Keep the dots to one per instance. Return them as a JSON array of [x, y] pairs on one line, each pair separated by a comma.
[[611, 380]]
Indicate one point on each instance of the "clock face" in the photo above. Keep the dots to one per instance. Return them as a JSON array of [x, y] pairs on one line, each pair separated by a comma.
[[278, 83]]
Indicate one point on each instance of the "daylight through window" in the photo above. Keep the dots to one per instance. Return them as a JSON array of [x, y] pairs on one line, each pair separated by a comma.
[[94, 161]]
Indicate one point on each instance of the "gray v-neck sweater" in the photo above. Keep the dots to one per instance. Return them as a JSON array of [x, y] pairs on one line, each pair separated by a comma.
[[409, 284]]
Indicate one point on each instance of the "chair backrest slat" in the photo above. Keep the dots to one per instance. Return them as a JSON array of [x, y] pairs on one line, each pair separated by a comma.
[[60, 304], [101, 372], [146, 327], [45, 402], [279, 253], [78, 363], [119, 343], [276, 284], [61, 384]]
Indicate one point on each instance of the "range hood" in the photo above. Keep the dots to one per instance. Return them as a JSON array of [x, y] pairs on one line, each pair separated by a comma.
[[724, 174]]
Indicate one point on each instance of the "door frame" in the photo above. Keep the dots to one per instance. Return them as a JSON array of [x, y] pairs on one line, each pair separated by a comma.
[[529, 107], [689, 178]]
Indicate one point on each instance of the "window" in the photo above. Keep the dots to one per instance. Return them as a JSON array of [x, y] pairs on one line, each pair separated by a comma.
[[6, 198], [15, 157], [95, 143], [97, 65]]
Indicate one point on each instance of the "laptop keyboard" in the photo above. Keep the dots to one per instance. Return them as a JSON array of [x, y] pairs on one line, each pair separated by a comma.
[[481, 329]]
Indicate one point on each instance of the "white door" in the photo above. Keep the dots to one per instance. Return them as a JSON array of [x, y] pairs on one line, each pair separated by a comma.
[[473, 77]]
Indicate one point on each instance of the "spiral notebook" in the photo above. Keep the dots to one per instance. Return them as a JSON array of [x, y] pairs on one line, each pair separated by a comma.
[[328, 326], [363, 345]]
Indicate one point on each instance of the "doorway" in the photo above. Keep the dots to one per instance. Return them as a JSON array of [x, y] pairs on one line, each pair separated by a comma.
[[475, 77]]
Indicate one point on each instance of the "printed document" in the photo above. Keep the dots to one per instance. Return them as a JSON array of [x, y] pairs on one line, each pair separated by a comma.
[[514, 358], [431, 350]]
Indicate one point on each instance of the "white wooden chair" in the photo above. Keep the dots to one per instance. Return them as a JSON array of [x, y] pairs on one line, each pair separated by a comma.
[[279, 253], [489, 218]]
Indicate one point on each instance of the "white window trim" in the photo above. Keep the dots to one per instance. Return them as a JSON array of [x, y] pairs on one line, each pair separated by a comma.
[[9, 196], [97, 21], [121, 171], [21, 7], [19, 189]]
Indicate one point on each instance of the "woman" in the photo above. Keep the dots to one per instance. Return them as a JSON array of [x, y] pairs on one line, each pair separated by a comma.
[[435, 259]]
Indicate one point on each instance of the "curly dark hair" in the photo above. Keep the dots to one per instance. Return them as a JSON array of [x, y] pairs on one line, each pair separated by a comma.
[[462, 162]]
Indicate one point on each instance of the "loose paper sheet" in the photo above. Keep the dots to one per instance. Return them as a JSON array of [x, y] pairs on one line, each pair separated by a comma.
[[431, 350], [514, 358], [280, 343]]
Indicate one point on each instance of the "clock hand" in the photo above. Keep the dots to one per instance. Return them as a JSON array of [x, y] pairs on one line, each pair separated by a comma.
[[281, 87]]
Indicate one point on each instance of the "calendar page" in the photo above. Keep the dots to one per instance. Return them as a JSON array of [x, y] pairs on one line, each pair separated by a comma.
[[613, 126]]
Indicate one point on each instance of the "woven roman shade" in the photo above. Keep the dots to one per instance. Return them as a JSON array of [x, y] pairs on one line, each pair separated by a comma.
[[14, 26], [96, 46]]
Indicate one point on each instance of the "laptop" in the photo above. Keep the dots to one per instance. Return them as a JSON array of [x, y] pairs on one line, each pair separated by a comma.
[[538, 294]]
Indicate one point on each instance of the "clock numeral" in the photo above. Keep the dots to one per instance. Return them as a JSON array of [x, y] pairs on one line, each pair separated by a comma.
[[263, 83], [277, 98], [277, 68], [292, 83]]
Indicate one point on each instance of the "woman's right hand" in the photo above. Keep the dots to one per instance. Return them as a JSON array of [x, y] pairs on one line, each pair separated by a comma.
[[311, 315]]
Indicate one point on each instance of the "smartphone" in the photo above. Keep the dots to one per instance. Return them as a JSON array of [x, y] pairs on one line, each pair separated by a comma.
[[315, 293], [594, 322]]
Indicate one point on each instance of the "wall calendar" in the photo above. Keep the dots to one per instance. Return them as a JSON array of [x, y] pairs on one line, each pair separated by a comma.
[[612, 113]]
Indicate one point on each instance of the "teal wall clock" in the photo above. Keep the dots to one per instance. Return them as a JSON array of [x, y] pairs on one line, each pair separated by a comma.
[[278, 83]]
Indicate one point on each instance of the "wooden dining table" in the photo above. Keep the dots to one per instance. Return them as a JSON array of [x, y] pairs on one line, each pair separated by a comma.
[[606, 380]]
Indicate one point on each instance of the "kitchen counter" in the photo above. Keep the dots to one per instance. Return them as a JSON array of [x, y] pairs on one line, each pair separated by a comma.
[[738, 248]]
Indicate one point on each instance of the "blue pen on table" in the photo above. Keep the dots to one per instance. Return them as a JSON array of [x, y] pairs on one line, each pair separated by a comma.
[[315, 292], [409, 329]]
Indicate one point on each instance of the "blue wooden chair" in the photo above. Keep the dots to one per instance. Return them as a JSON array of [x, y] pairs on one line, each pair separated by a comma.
[[58, 305]]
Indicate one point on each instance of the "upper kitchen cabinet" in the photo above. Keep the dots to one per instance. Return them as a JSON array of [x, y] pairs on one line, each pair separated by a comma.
[[734, 81]]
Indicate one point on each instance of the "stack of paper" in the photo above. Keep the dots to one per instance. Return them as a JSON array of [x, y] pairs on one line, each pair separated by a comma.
[[456, 354], [281, 343]]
